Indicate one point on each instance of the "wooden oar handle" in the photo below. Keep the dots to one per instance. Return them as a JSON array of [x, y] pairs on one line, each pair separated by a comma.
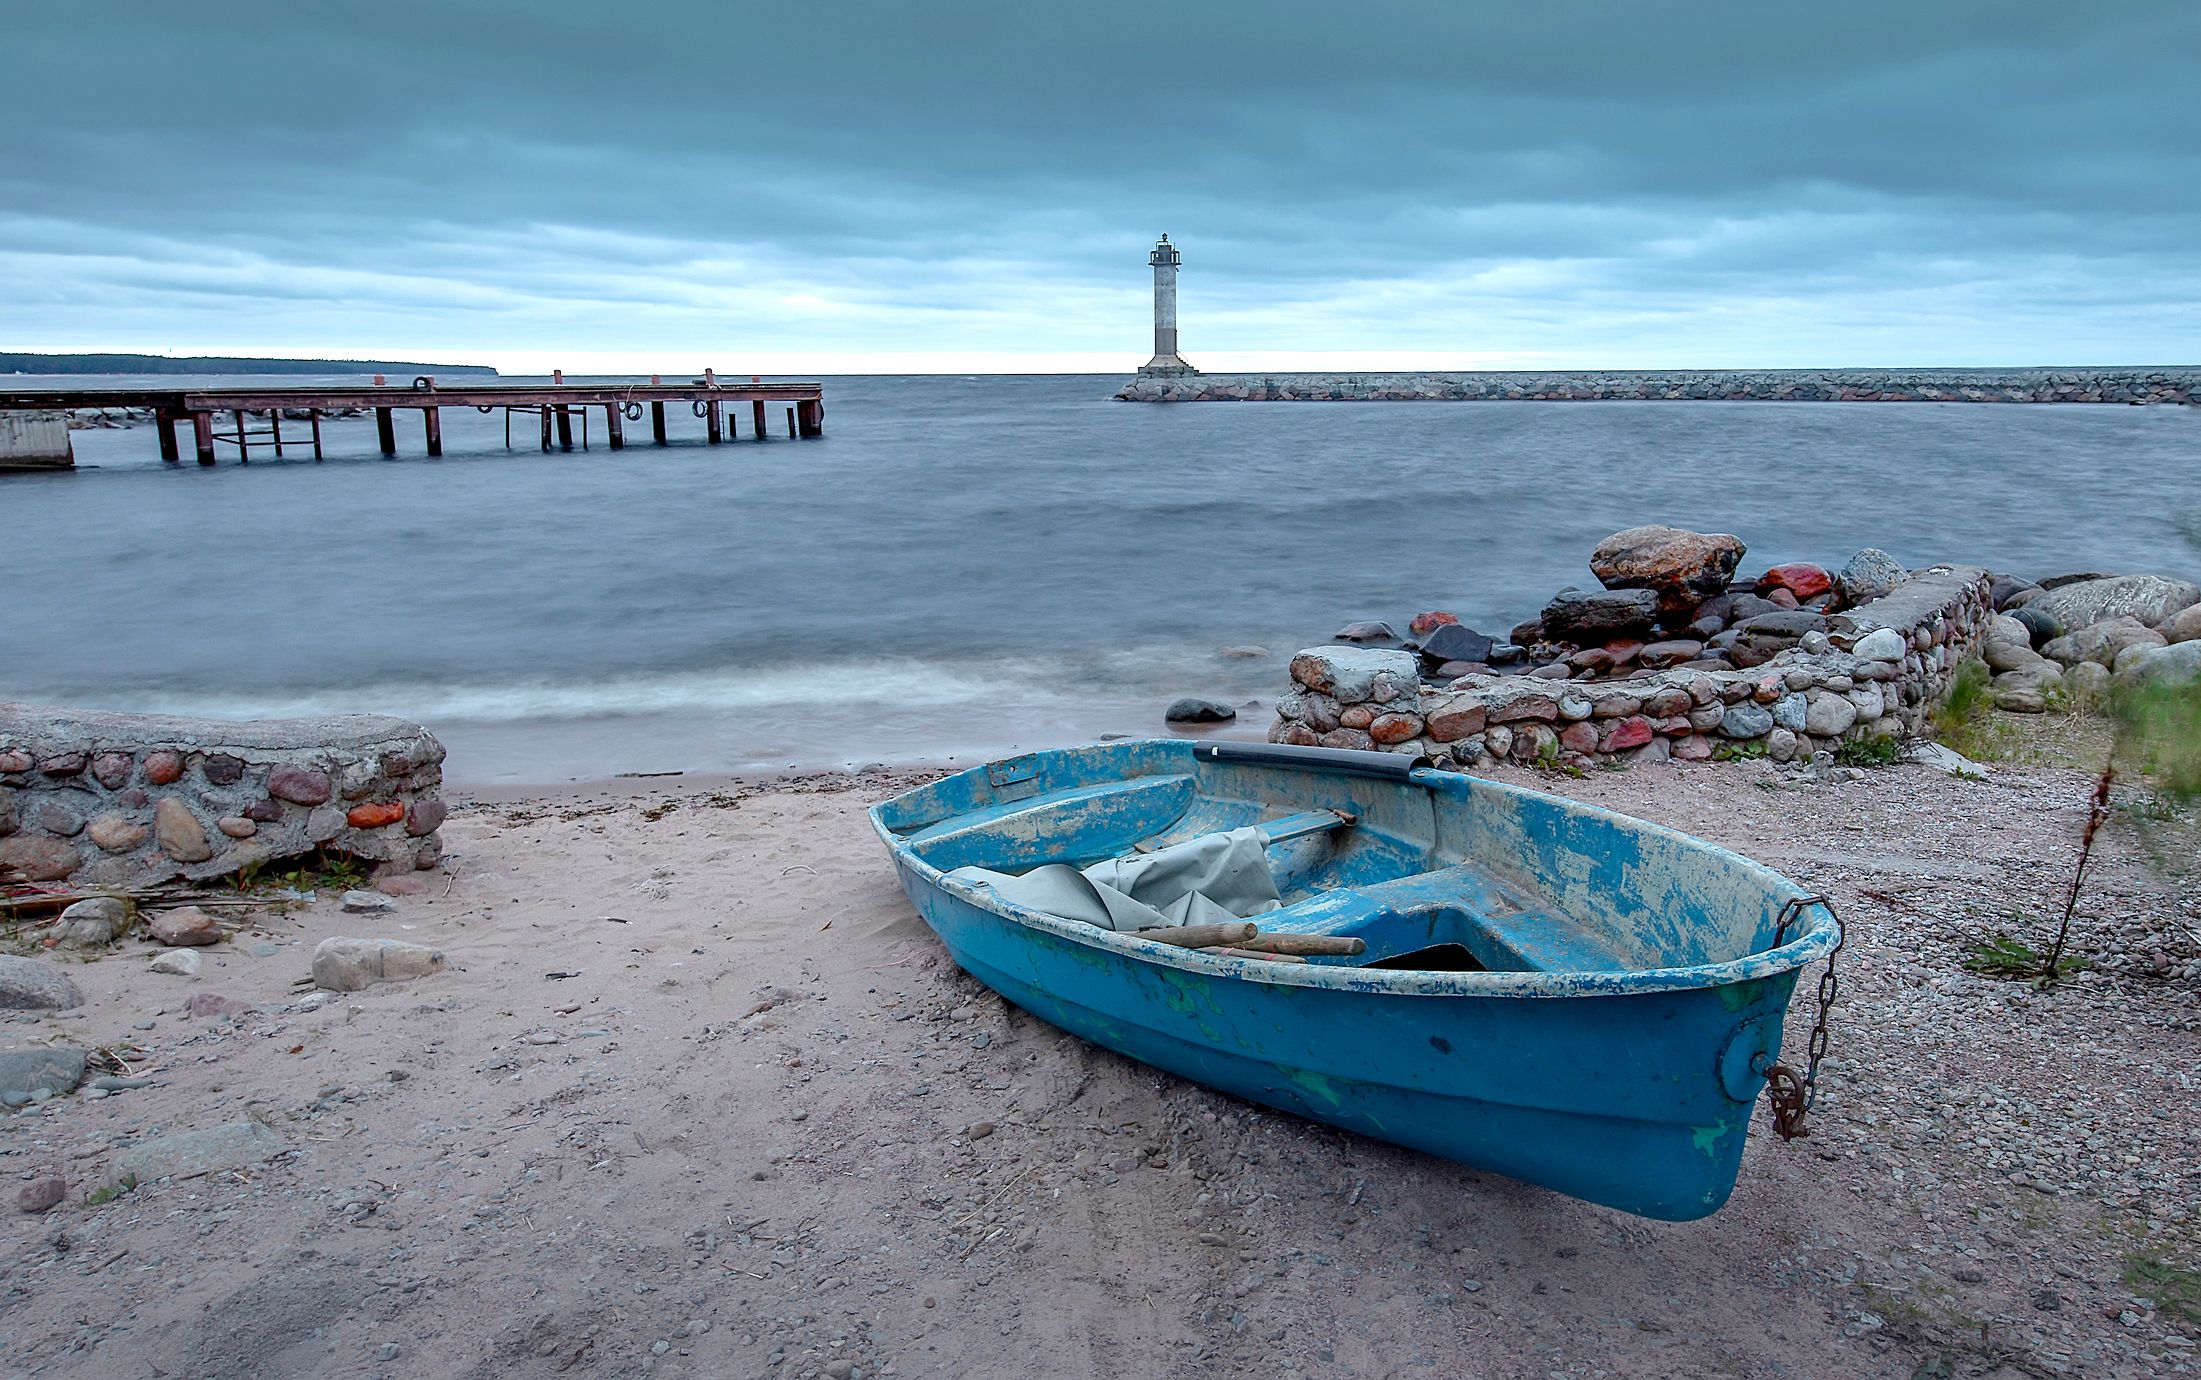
[[1202, 936], [1324, 945]]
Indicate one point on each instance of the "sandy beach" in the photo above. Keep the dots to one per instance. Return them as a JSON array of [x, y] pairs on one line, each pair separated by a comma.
[[699, 1095]]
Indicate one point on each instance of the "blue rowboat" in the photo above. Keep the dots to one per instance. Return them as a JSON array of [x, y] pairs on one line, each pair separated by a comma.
[[1546, 990]]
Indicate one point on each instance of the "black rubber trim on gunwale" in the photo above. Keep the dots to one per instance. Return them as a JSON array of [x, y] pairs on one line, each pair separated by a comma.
[[1386, 766]]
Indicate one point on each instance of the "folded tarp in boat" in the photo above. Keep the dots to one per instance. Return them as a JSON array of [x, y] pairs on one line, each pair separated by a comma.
[[1212, 878]]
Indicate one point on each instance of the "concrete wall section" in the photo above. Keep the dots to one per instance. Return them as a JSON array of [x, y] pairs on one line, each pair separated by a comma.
[[127, 800], [35, 441]]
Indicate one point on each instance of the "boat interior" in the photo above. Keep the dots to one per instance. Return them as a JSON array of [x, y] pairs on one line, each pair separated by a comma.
[[1389, 862]]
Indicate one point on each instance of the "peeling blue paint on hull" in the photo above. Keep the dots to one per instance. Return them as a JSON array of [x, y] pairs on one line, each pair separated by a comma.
[[1631, 1086]]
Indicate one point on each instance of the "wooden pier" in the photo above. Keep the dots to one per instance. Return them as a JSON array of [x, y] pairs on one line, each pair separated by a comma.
[[555, 406]]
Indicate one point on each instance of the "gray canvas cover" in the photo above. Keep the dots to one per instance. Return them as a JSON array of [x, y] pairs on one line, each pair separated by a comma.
[[1214, 877]]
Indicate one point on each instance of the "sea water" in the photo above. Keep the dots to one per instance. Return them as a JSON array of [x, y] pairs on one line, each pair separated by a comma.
[[964, 567]]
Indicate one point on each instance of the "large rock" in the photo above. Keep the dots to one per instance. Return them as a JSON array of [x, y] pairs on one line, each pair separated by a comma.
[[29, 985], [1452, 642], [54, 1070], [184, 925], [348, 965], [1801, 579], [1682, 568], [2182, 626], [181, 835], [36, 859], [1191, 710], [92, 922], [2148, 598], [1868, 575], [1590, 617], [1352, 675], [2177, 663], [2102, 641], [188, 1154]]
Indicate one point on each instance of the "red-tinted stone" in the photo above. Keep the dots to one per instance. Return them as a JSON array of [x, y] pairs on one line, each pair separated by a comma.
[[1692, 749], [1684, 568], [298, 785], [163, 768], [236, 826], [403, 884], [1356, 716], [221, 769], [187, 925], [1782, 599], [263, 811], [1395, 728], [14, 760], [41, 1194], [1458, 718], [375, 814], [1801, 579], [1352, 739], [204, 1004], [1668, 702], [1579, 736], [63, 764], [111, 769], [1427, 623], [1624, 734], [38, 859], [60, 820]]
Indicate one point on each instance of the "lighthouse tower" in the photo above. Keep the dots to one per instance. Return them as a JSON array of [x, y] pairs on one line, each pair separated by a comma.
[[1166, 361]]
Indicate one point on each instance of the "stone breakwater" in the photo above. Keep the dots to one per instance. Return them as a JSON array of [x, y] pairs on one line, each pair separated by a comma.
[[122, 800], [2154, 385], [1675, 659]]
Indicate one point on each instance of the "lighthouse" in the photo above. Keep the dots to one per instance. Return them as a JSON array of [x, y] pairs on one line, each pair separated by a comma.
[[1166, 361]]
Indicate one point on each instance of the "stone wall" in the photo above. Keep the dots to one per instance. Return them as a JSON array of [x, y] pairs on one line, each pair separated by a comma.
[[35, 441], [1816, 680], [1777, 385], [122, 800]]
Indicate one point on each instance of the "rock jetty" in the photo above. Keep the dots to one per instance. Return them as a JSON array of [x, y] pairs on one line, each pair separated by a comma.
[[1673, 657], [2158, 385]]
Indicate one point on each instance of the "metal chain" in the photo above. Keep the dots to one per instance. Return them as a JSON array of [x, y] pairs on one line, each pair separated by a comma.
[[1792, 1096]]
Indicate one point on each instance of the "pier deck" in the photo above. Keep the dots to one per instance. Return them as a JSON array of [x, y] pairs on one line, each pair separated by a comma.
[[553, 404]]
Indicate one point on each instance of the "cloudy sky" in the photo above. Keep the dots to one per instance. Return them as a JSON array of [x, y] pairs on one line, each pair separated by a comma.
[[856, 186]]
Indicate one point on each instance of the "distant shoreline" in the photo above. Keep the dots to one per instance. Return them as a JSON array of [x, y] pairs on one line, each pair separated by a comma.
[[24, 362]]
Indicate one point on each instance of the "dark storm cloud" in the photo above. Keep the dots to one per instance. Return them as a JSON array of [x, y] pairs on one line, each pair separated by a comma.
[[1595, 181]]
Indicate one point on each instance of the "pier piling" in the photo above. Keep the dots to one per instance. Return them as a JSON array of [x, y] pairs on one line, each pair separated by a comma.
[[431, 419], [565, 427], [756, 415], [385, 430], [164, 419], [712, 430], [614, 425], [657, 422], [544, 413], [202, 436]]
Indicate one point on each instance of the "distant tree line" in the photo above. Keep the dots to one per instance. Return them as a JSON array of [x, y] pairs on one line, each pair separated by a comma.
[[28, 363]]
